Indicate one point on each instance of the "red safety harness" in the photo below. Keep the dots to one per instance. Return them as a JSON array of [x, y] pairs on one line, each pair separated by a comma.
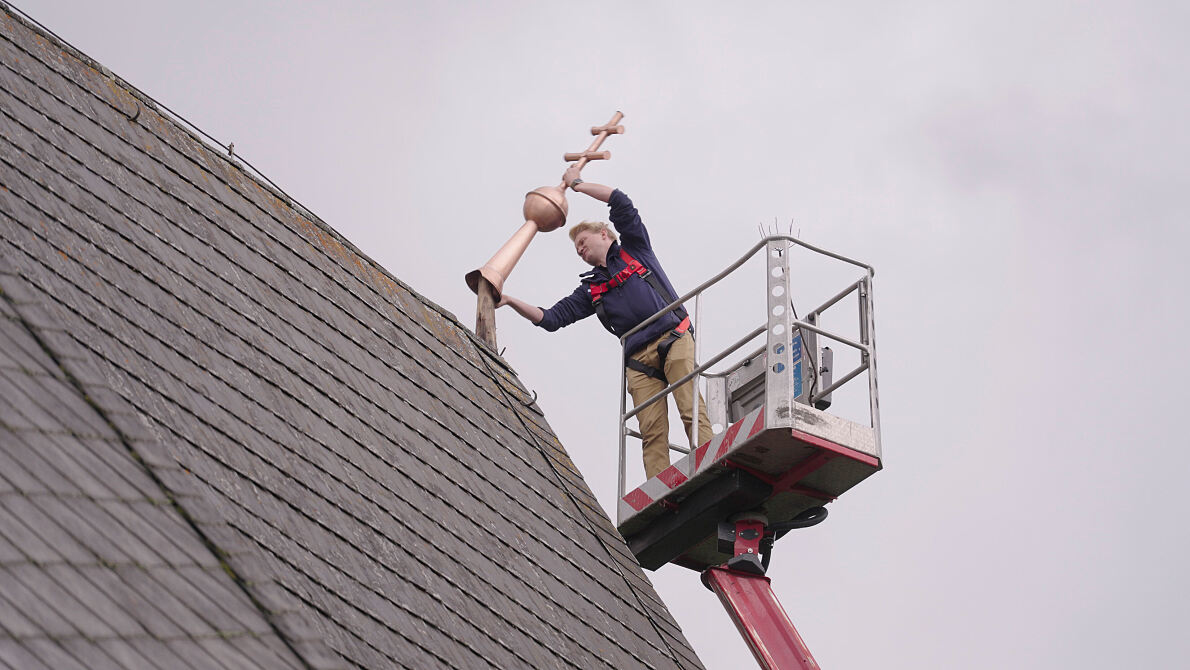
[[634, 267]]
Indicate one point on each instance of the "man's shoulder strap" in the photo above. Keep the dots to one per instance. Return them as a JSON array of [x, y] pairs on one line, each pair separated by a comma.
[[631, 266]]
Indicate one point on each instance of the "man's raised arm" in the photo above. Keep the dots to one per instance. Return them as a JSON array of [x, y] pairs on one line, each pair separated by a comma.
[[597, 191]]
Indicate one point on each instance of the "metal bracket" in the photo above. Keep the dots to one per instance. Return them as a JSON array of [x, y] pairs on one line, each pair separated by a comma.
[[741, 536]]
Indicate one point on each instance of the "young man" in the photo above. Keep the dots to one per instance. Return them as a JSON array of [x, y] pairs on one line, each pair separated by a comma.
[[627, 286]]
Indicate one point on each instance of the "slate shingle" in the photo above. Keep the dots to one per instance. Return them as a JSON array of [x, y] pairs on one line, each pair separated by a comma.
[[15, 620], [29, 529], [53, 654], [15, 473], [94, 656], [16, 655]]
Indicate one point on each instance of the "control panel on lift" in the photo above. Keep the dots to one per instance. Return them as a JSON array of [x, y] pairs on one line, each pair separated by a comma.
[[781, 455]]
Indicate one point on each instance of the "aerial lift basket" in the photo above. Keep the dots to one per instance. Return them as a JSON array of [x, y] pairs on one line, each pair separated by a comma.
[[780, 453]]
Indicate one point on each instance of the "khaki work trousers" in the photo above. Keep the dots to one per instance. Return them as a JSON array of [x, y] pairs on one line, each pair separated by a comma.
[[654, 419]]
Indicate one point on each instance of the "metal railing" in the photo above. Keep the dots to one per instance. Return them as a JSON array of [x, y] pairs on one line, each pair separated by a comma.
[[865, 346]]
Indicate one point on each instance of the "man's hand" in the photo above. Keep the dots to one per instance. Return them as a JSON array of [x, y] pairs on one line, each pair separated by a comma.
[[570, 175], [597, 191]]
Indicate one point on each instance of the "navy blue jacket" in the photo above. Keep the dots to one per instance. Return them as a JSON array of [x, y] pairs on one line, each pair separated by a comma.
[[630, 303]]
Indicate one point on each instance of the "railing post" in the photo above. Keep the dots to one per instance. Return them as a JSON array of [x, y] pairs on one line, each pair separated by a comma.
[[623, 436], [778, 388], [695, 438], [868, 338]]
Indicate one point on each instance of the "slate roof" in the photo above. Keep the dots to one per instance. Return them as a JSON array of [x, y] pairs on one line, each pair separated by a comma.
[[230, 439]]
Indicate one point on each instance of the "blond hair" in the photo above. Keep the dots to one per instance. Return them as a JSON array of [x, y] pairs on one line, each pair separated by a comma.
[[594, 227]]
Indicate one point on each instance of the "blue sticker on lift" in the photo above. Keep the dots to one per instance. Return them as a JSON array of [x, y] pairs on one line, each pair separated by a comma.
[[797, 364]]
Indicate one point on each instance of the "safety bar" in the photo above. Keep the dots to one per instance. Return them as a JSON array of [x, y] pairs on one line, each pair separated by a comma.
[[838, 296], [672, 446], [758, 351], [815, 329], [732, 268], [842, 380]]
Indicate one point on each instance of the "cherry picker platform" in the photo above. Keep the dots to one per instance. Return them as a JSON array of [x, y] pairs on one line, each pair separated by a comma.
[[779, 458]]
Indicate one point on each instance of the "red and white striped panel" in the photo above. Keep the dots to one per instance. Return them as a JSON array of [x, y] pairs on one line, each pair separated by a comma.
[[690, 465]]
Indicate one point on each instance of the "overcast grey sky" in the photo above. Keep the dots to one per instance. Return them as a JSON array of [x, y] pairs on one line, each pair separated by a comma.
[[1015, 171]]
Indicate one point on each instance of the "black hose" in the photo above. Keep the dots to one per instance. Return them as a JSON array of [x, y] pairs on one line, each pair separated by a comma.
[[810, 517]]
